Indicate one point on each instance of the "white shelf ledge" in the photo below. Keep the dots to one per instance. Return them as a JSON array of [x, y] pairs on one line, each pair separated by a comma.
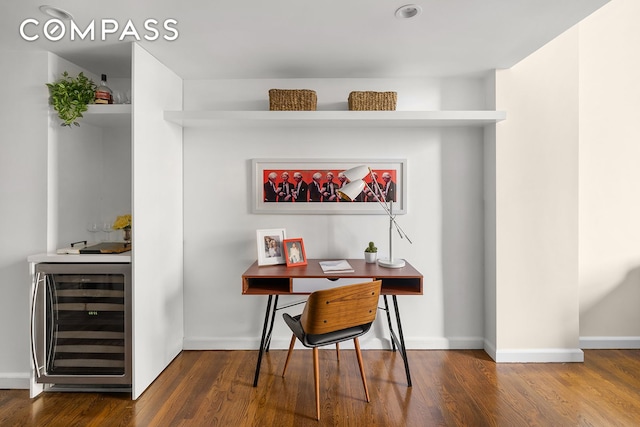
[[335, 118], [107, 115]]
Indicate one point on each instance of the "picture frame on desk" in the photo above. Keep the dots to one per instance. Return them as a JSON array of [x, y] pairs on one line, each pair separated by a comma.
[[294, 252], [298, 186], [271, 246]]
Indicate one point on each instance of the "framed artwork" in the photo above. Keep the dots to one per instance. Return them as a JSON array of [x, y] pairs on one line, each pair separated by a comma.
[[309, 186], [294, 252], [271, 246]]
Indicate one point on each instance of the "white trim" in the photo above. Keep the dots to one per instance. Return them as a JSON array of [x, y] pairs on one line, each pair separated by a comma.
[[490, 349], [206, 343], [439, 343], [609, 343], [369, 343], [444, 343], [539, 355], [14, 380]]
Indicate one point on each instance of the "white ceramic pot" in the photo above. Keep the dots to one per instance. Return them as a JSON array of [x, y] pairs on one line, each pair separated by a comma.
[[370, 257]]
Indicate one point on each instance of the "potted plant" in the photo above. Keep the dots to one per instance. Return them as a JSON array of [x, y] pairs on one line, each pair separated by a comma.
[[370, 253], [70, 97]]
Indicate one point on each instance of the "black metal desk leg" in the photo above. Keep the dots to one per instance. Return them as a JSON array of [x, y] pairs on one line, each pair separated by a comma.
[[403, 349], [386, 309], [263, 340], [273, 318]]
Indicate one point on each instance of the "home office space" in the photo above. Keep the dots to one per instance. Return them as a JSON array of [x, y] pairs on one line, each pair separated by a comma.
[[507, 218]]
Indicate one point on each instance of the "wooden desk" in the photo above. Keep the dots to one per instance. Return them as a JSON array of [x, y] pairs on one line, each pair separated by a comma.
[[276, 280]]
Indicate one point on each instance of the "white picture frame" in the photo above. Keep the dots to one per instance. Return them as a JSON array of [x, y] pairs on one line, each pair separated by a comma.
[[262, 168], [270, 245]]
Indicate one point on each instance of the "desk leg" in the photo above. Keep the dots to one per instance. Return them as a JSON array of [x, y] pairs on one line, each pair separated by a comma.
[[266, 338], [398, 340], [273, 318], [404, 348], [386, 308]]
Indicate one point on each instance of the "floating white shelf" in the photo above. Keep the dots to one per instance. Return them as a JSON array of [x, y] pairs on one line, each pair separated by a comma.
[[335, 118], [107, 115]]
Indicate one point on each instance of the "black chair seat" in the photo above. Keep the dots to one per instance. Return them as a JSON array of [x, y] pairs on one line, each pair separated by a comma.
[[309, 340]]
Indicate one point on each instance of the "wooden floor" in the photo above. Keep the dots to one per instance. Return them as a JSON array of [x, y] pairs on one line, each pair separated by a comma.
[[450, 388]]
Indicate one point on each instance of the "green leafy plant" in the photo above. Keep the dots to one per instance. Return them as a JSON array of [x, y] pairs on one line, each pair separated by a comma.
[[371, 248], [70, 97]]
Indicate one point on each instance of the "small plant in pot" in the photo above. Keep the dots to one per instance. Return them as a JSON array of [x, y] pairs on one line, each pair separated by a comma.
[[371, 253], [70, 97]]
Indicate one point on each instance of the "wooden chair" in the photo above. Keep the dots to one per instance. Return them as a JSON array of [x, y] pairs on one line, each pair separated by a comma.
[[332, 316]]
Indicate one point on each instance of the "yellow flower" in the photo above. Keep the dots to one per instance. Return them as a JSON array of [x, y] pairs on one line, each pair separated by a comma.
[[123, 221]]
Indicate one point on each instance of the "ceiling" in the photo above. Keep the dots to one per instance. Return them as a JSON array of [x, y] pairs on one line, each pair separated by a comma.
[[303, 39]]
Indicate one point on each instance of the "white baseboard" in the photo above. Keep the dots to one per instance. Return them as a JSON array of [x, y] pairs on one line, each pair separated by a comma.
[[539, 355], [14, 380], [436, 343], [366, 343], [207, 343], [451, 343], [561, 355], [490, 349], [609, 343], [253, 344], [535, 355]]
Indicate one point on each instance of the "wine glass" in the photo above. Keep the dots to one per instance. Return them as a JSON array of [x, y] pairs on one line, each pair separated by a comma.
[[93, 228], [107, 227]]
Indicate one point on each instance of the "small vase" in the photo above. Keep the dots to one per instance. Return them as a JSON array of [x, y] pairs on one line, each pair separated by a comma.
[[127, 234], [370, 257]]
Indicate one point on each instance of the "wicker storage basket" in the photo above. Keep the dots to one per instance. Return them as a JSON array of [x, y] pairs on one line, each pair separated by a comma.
[[292, 100], [372, 100]]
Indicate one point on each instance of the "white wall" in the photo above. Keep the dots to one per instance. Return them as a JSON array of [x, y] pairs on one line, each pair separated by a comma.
[[444, 210], [537, 206], [589, 72], [23, 202], [609, 177]]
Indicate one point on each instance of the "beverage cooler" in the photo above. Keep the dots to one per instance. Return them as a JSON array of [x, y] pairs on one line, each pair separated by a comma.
[[81, 325]]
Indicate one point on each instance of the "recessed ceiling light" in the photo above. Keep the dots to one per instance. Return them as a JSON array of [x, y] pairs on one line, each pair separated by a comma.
[[408, 11], [55, 12]]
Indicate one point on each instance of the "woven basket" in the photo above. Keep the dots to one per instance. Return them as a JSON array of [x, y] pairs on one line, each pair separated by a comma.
[[372, 101], [292, 100]]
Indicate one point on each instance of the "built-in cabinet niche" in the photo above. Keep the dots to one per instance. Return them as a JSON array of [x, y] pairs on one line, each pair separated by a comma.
[[111, 165], [92, 171], [89, 173]]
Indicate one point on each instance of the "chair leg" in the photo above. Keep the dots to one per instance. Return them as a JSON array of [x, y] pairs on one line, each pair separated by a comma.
[[291, 345], [316, 378], [338, 351], [361, 364]]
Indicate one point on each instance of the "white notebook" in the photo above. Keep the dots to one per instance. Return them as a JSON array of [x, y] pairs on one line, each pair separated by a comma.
[[337, 266]]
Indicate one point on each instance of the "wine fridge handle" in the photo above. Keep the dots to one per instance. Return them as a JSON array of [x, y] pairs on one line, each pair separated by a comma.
[[34, 300]]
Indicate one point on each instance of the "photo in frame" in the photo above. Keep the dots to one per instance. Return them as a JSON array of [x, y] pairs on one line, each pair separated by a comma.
[[310, 186], [294, 252], [271, 246]]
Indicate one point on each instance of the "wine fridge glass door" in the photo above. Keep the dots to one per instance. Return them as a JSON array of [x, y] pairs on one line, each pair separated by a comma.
[[84, 332]]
